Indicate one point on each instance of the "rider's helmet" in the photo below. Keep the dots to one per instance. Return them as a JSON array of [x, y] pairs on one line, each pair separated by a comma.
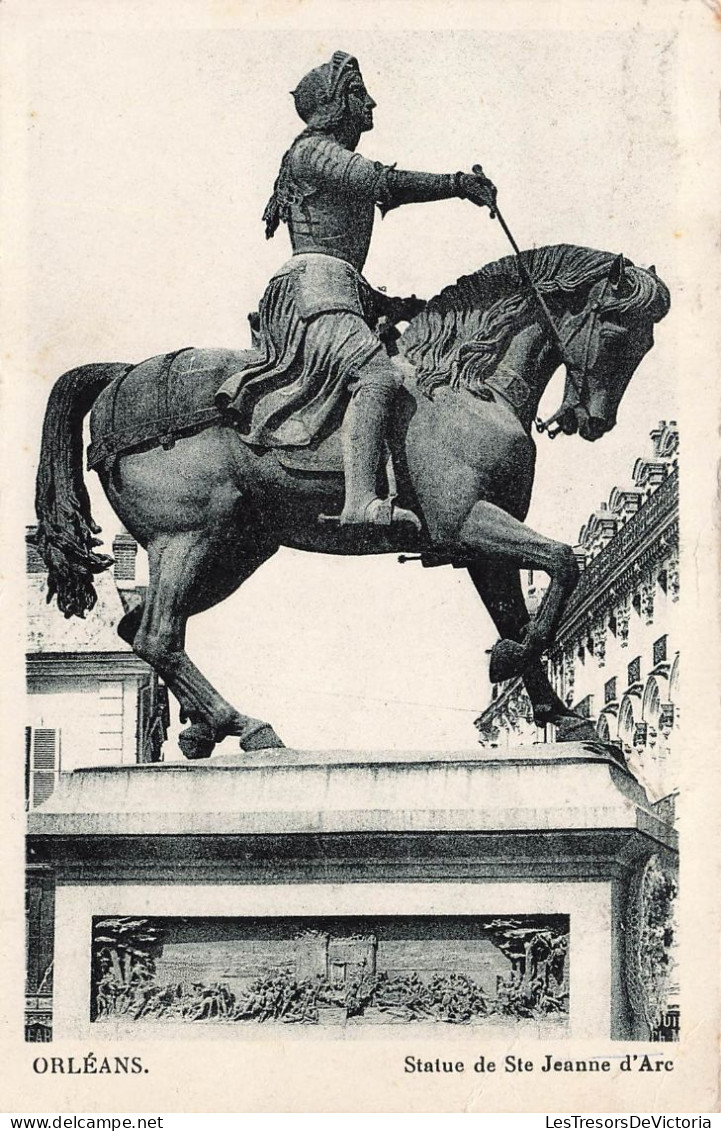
[[320, 95]]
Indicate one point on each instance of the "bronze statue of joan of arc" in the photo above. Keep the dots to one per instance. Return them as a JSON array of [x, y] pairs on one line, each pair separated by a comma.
[[319, 346]]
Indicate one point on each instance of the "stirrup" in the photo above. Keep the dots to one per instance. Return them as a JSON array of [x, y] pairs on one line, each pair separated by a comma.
[[385, 512], [379, 512]]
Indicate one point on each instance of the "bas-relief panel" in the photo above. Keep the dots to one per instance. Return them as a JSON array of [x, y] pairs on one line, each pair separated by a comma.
[[331, 970]]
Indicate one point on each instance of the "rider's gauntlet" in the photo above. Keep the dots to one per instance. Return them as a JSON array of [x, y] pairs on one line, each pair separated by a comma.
[[400, 186]]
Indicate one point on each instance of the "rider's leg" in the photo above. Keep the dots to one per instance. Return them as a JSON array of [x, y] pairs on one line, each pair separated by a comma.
[[364, 429]]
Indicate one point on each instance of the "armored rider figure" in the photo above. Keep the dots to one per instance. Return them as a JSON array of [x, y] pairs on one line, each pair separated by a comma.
[[316, 335]]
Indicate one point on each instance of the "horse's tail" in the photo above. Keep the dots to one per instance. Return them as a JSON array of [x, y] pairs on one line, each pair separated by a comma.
[[66, 532]]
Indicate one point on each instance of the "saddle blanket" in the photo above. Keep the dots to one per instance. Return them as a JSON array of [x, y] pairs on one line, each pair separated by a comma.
[[173, 395]]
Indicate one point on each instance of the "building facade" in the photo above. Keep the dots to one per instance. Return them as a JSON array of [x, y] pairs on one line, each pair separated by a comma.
[[90, 702], [615, 658]]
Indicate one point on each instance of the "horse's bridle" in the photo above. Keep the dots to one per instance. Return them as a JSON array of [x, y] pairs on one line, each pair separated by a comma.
[[578, 379]]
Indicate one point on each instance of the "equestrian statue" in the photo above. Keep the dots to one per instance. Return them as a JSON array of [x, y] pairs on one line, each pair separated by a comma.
[[338, 434]]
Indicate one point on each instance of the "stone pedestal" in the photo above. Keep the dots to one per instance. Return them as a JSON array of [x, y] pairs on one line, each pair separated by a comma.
[[371, 837]]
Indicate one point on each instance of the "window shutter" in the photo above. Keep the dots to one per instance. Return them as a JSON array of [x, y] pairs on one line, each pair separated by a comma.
[[44, 763]]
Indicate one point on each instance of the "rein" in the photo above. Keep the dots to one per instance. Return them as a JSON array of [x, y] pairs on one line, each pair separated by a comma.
[[578, 378], [515, 389], [579, 383]]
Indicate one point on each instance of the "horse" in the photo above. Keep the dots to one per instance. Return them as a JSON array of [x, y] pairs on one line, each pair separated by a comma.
[[210, 509]]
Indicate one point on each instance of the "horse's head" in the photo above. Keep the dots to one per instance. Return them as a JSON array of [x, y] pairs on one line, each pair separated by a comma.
[[603, 307], [607, 329]]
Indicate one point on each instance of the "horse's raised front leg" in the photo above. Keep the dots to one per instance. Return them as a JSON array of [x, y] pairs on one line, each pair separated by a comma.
[[500, 590], [498, 536], [187, 573]]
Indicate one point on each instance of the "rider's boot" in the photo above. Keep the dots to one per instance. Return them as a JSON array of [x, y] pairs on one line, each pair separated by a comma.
[[364, 429]]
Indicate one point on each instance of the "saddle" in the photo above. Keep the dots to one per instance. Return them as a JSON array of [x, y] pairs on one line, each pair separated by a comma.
[[323, 456], [160, 400]]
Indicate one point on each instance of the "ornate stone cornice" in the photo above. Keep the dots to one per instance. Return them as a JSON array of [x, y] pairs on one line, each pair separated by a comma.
[[649, 536], [108, 665]]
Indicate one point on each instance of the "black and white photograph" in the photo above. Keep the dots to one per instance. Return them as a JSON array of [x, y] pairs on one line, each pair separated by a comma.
[[361, 413]]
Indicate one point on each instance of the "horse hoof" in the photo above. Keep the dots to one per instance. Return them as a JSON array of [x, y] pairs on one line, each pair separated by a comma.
[[508, 659], [196, 742], [261, 737]]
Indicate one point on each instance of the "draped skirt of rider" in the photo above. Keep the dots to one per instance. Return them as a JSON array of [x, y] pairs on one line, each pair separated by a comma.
[[298, 389]]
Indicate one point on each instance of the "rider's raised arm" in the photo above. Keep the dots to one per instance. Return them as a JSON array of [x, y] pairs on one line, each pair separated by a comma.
[[404, 187], [321, 161]]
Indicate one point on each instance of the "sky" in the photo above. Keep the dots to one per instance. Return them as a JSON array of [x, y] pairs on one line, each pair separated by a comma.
[[149, 158]]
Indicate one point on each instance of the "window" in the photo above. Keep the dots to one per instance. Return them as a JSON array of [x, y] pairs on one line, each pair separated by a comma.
[[44, 764], [666, 716], [659, 650], [610, 692], [634, 671], [111, 706]]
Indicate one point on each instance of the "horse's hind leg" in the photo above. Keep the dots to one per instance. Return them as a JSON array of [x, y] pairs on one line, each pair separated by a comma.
[[184, 578]]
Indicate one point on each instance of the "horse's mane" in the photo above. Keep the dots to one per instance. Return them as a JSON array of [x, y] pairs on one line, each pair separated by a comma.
[[477, 316]]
